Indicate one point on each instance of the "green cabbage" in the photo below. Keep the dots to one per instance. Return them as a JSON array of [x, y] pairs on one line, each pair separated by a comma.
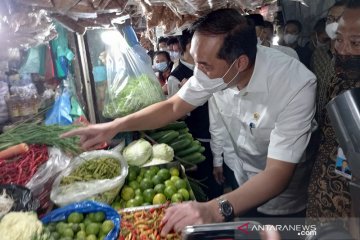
[[138, 93], [137, 152], [163, 151]]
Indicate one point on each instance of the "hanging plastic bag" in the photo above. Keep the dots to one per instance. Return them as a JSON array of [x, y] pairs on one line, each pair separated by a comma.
[[86, 207], [60, 112], [131, 82], [104, 190], [40, 184], [33, 61]]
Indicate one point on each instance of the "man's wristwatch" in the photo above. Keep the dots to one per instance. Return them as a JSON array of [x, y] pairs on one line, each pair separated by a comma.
[[225, 209]]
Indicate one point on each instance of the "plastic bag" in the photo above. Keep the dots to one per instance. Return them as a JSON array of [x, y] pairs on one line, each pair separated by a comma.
[[60, 112], [86, 207], [23, 198], [104, 190], [4, 91], [131, 82], [40, 184]]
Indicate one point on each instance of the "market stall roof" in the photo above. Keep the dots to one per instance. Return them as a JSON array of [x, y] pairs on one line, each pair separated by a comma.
[[29, 22]]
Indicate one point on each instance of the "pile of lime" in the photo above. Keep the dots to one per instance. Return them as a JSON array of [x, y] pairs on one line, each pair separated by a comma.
[[78, 226], [151, 186]]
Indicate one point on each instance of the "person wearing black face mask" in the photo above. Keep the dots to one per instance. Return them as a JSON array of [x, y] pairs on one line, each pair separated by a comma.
[[329, 195], [322, 63]]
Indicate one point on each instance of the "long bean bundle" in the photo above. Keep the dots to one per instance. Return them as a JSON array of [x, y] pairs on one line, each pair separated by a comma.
[[32, 133]]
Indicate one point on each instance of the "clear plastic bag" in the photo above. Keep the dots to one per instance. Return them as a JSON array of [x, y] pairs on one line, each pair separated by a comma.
[[131, 82], [61, 214], [40, 184], [104, 190], [4, 91]]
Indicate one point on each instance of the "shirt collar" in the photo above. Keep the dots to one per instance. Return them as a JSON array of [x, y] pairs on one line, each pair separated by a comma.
[[191, 66], [258, 82]]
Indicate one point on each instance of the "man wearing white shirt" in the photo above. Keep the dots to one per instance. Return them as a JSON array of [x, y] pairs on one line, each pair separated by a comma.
[[252, 124], [224, 48]]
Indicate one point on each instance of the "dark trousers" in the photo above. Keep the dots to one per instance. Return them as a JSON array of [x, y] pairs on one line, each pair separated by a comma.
[[204, 173], [265, 219]]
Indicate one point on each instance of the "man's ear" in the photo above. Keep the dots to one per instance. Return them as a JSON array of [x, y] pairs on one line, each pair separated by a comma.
[[243, 63]]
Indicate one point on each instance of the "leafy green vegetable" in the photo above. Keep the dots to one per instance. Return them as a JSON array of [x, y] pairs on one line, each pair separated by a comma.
[[137, 152], [138, 93], [163, 151]]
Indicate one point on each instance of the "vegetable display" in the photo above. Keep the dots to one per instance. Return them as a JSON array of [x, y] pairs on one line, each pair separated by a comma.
[[143, 225], [137, 152], [132, 95], [187, 150], [95, 169], [95, 175], [32, 133], [80, 226], [162, 151], [152, 186], [20, 226], [19, 171]]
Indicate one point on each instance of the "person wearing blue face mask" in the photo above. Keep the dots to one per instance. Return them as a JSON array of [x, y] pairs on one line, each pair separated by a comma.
[[263, 103], [162, 66]]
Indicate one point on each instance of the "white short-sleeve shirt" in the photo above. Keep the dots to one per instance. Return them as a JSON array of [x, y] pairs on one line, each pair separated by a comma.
[[271, 117]]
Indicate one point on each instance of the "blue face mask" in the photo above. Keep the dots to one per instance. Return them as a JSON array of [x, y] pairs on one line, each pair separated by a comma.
[[161, 66]]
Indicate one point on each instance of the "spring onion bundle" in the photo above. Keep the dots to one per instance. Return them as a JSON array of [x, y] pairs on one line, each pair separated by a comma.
[[32, 133]]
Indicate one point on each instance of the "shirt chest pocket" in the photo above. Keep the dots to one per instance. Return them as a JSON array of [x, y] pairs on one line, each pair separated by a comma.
[[260, 136]]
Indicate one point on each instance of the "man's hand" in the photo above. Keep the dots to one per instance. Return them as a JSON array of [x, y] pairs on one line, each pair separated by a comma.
[[93, 135], [181, 215], [219, 175]]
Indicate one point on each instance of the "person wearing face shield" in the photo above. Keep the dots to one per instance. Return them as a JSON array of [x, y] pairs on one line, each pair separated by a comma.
[[162, 66], [263, 103], [292, 33], [329, 196]]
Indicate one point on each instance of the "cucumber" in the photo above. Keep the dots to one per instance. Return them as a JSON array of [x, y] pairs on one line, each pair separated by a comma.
[[202, 149], [184, 130], [160, 134], [199, 160], [174, 126], [186, 135], [168, 137], [197, 142], [180, 145], [194, 148], [194, 158]]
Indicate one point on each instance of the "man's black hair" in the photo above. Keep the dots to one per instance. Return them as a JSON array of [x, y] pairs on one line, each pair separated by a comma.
[[340, 3], [320, 26], [184, 39], [172, 40], [296, 23], [353, 4], [270, 25], [257, 19], [239, 35], [162, 39]]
